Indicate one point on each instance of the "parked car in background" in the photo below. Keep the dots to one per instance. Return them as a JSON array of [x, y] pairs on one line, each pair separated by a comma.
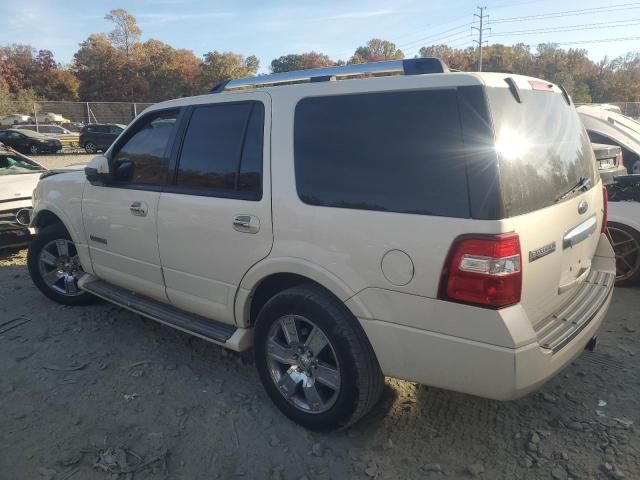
[[14, 119], [608, 106], [18, 178], [605, 126], [484, 270], [75, 127], [26, 141], [67, 138], [99, 136], [609, 161], [623, 227], [50, 117]]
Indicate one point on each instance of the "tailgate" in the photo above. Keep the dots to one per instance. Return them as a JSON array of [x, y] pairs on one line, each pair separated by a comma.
[[558, 244], [549, 189]]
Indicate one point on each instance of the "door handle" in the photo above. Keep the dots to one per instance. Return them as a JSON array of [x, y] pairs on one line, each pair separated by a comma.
[[246, 223], [139, 209]]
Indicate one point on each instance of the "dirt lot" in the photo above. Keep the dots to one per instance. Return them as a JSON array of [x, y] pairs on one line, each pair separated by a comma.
[[63, 160], [89, 392]]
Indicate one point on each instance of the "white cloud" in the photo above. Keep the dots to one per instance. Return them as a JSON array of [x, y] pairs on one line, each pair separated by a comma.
[[361, 14], [161, 18]]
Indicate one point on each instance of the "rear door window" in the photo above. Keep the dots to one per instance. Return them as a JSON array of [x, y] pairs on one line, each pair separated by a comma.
[[392, 151], [543, 149], [222, 151]]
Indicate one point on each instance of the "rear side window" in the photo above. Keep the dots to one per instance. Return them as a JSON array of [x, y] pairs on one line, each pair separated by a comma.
[[543, 149], [393, 151], [222, 151]]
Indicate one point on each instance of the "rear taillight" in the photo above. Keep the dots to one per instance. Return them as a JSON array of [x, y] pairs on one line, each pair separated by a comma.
[[605, 209], [483, 270]]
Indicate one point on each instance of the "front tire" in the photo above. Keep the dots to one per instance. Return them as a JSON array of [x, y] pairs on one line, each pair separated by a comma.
[[314, 359], [90, 147], [55, 268], [34, 150]]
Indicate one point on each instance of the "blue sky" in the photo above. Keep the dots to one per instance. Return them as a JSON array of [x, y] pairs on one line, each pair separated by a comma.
[[269, 29]]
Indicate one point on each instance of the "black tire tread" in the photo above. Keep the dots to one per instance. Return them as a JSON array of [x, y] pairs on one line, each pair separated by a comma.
[[51, 232], [371, 380]]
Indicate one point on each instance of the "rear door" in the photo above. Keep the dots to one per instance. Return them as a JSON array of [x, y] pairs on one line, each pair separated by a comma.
[[214, 221], [550, 191]]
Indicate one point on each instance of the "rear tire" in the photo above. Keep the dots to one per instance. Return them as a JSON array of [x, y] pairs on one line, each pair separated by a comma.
[[34, 150], [54, 266], [90, 147], [329, 388], [626, 245]]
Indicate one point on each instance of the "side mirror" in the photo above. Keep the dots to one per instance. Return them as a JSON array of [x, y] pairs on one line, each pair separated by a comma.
[[97, 170], [123, 169]]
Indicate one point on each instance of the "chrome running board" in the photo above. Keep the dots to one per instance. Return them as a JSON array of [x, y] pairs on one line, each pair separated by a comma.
[[221, 333]]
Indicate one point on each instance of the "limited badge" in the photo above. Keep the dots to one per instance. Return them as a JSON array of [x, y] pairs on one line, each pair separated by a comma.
[[542, 252]]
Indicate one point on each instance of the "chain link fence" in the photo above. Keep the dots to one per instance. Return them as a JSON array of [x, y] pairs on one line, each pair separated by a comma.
[[629, 109], [71, 115], [75, 115]]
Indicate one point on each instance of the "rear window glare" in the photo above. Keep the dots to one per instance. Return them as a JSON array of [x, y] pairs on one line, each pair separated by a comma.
[[543, 149], [392, 151]]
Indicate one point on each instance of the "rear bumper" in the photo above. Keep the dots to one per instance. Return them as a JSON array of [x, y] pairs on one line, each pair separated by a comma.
[[484, 366], [471, 367]]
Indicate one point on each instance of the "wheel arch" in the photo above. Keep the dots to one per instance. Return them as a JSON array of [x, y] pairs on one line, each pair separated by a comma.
[[44, 218], [272, 276], [47, 214]]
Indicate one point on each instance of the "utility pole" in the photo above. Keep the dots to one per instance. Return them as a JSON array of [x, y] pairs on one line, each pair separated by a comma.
[[481, 28]]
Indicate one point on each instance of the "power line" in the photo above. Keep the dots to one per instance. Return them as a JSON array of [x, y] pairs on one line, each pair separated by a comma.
[[571, 28], [438, 35], [567, 13], [467, 39], [601, 40]]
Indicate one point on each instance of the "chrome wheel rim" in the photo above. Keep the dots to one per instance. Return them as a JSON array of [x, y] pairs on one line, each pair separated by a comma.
[[627, 252], [60, 267], [90, 148], [33, 149], [303, 364]]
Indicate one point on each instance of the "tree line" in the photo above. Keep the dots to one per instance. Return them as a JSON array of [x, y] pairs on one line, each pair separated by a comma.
[[118, 66]]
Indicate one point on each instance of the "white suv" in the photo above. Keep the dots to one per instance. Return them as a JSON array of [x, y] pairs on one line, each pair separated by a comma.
[[439, 227]]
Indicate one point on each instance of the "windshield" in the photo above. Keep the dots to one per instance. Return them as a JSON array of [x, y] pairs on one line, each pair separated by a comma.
[[543, 149], [13, 164]]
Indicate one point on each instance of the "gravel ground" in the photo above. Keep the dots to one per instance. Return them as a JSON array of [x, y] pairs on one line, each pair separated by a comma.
[[94, 392]]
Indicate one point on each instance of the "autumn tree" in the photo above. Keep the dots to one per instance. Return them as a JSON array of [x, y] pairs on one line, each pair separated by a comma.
[[376, 50], [220, 66], [126, 32], [101, 69], [163, 72], [455, 58], [300, 61]]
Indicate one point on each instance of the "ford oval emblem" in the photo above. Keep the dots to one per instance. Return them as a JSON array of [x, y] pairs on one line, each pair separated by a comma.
[[582, 207]]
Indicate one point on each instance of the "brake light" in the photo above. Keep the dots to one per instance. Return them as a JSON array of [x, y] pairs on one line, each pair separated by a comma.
[[538, 85], [483, 270], [605, 209]]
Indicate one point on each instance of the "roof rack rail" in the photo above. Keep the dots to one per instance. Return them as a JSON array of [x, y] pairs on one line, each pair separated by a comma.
[[414, 66]]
